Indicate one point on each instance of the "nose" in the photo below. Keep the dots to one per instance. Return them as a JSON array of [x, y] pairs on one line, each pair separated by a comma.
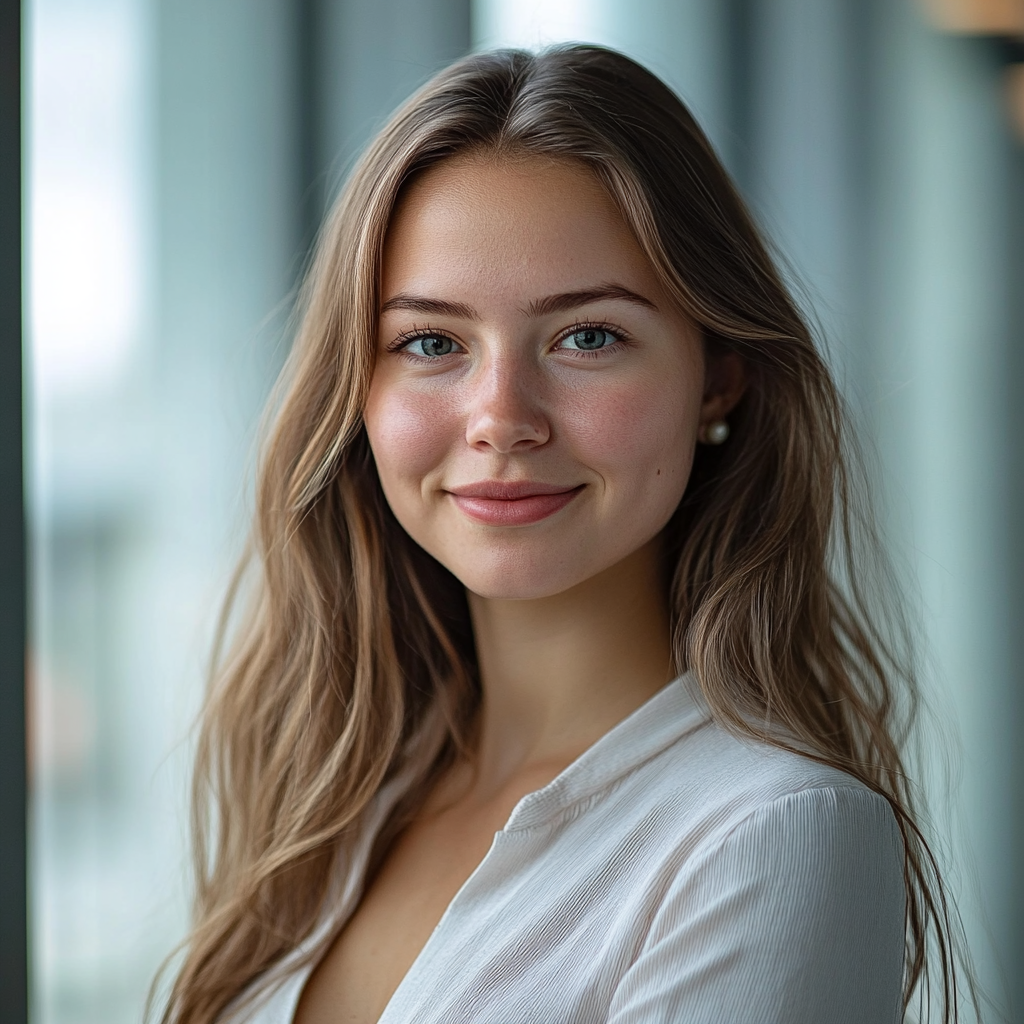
[[505, 408]]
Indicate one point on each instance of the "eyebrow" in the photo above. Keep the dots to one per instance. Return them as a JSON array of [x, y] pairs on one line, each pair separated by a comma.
[[432, 307], [560, 303], [565, 301]]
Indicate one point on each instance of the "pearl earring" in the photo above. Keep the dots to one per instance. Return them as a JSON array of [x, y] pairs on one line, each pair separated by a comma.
[[715, 433]]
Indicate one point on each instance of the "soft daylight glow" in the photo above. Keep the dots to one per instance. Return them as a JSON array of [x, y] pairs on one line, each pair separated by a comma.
[[534, 23], [85, 251]]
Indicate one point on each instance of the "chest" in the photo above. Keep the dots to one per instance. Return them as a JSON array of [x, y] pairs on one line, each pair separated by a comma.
[[542, 929], [399, 910]]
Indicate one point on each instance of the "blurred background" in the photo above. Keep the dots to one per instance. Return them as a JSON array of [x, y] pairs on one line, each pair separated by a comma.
[[180, 154]]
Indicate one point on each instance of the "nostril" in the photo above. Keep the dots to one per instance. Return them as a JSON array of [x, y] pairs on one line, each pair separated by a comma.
[[505, 412], [506, 433]]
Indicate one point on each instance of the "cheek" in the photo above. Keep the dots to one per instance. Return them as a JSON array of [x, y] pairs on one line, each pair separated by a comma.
[[642, 433], [408, 432]]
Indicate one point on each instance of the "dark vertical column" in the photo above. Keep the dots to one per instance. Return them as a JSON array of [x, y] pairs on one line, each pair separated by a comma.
[[1013, 957], [13, 918], [1012, 53], [308, 22], [741, 54], [365, 57], [802, 79], [858, 20], [356, 60]]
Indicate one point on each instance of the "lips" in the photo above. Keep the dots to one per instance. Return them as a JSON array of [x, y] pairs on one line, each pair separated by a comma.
[[500, 503]]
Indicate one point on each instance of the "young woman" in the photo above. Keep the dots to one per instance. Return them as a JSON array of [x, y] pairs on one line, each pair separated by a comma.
[[558, 699]]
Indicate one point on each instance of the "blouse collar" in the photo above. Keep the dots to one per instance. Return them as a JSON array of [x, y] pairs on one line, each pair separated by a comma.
[[670, 714]]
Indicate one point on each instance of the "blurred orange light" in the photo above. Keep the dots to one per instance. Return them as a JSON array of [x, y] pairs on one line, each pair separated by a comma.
[[987, 17], [1015, 97]]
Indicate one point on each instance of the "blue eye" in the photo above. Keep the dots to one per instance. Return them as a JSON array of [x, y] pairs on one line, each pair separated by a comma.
[[431, 345], [588, 339]]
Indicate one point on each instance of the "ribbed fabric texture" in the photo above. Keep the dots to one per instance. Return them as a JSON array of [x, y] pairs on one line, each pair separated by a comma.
[[673, 873]]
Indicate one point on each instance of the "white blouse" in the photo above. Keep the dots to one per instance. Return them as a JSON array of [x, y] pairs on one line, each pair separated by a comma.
[[672, 873]]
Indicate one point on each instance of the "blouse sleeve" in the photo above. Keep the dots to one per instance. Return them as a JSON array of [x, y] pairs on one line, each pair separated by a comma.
[[797, 917]]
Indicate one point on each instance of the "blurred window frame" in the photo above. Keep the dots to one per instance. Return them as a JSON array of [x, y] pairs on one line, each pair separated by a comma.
[[13, 798]]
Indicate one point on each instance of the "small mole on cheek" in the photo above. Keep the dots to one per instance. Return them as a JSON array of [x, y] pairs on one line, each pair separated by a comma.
[[659, 472]]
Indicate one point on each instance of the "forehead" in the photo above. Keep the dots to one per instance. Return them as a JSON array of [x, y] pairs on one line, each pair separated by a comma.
[[512, 228]]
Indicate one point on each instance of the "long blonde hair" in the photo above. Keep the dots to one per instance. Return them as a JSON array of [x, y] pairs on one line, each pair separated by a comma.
[[355, 659]]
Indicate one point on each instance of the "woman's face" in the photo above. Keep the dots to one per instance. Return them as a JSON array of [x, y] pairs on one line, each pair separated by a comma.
[[536, 398]]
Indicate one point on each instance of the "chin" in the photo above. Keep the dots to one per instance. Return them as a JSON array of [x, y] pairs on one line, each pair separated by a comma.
[[531, 572], [516, 590], [517, 576]]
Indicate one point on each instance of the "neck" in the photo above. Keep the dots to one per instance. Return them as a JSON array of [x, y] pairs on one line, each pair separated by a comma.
[[559, 672]]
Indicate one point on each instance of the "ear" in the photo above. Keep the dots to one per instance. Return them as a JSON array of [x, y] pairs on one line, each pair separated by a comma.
[[725, 380]]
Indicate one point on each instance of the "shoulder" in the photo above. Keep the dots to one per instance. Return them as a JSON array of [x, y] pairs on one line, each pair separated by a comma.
[[719, 783], [730, 812], [815, 853], [786, 894]]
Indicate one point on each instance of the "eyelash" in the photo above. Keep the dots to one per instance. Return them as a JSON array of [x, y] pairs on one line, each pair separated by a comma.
[[410, 336], [399, 344], [594, 325]]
